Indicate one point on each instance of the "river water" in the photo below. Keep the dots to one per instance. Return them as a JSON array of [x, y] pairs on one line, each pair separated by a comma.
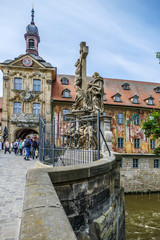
[[142, 216]]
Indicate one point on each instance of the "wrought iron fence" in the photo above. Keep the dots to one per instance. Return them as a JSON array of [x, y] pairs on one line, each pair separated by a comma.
[[70, 142]]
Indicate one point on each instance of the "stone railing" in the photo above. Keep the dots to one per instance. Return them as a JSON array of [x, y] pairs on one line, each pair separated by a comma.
[[74, 202]]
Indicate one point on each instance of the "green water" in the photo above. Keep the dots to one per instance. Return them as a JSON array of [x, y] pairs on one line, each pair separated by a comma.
[[142, 216]]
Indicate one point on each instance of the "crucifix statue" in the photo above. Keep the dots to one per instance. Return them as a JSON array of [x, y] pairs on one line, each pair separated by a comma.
[[80, 73]]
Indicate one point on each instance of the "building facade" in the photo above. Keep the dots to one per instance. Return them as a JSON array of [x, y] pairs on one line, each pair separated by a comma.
[[27, 86], [128, 102]]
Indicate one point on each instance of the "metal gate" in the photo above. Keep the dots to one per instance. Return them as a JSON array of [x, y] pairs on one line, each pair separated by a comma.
[[70, 142]]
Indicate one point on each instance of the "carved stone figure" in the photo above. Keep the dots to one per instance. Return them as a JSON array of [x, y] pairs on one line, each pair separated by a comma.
[[78, 74], [28, 95], [95, 91]]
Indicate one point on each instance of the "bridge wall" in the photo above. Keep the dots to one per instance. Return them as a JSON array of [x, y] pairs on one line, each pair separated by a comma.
[[74, 202]]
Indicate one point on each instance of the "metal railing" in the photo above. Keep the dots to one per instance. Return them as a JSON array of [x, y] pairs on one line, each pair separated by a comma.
[[70, 142]]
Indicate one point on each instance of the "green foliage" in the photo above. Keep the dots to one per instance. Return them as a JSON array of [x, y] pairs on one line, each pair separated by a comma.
[[152, 127]]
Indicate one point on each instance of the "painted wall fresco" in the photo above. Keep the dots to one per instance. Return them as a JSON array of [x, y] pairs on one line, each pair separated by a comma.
[[128, 130]]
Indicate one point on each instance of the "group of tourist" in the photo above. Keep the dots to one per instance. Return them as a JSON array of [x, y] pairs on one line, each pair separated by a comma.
[[27, 147]]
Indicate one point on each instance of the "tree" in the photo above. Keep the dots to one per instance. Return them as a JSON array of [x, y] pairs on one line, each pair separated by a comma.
[[152, 128]]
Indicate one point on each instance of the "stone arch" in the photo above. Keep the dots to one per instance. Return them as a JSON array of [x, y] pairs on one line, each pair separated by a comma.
[[24, 132]]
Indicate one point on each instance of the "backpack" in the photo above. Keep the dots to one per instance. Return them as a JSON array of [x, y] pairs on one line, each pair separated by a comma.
[[27, 143], [15, 145]]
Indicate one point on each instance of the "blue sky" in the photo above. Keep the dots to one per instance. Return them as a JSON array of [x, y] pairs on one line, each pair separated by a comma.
[[122, 35]]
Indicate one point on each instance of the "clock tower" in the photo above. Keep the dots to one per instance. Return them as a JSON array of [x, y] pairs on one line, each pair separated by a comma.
[[32, 36], [27, 88]]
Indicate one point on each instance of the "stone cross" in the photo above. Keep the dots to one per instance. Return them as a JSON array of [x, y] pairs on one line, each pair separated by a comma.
[[83, 55]]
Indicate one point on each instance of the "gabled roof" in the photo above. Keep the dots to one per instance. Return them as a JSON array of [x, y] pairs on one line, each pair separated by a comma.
[[111, 87], [35, 57]]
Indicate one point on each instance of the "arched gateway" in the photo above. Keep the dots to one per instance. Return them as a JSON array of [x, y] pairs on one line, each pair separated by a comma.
[[24, 132]]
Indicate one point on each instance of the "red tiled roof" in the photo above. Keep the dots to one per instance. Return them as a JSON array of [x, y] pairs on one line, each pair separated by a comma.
[[112, 86]]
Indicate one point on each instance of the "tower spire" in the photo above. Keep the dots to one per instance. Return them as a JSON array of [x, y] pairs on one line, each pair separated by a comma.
[[32, 36], [32, 15]]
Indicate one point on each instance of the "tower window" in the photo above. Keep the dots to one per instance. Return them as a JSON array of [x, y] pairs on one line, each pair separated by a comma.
[[36, 108], [17, 107], [31, 44], [18, 83], [36, 85]]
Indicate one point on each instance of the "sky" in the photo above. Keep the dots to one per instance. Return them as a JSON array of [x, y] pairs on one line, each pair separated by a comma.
[[122, 35]]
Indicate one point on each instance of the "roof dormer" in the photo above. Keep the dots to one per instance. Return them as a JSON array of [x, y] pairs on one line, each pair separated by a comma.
[[64, 81], [149, 100], [66, 93], [135, 99], [126, 86], [117, 97], [157, 89]]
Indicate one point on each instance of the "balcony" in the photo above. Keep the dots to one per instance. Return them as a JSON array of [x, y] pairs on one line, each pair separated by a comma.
[[25, 120]]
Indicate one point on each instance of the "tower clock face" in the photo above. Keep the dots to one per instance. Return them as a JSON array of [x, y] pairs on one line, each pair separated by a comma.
[[27, 62]]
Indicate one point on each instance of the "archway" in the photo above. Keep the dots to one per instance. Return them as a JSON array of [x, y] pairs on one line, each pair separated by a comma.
[[23, 133]]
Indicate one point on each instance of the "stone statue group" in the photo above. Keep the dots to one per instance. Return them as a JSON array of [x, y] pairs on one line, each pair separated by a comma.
[[88, 100]]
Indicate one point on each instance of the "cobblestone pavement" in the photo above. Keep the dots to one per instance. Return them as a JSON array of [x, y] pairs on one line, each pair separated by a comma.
[[13, 171]]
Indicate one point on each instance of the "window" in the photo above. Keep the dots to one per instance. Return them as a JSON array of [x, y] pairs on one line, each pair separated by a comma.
[[66, 93], [135, 163], [104, 97], [156, 163], [121, 163], [117, 98], [18, 83], [136, 119], [31, 43], [153, 144], [120, 118], [137, 143], [158, 90], [126, 86], [65, 111], [17, 108], [150, 101], [36, 85], [135, 100], [36, 108], [120, 142], [64, 81]]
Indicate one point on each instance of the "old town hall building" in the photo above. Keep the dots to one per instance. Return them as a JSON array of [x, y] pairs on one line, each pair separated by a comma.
[[27, 87], [31, 87]]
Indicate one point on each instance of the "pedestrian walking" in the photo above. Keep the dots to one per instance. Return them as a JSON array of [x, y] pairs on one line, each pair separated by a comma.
[[27, 145], [6, 146], [20, 147], [15, 146], [34, 147]]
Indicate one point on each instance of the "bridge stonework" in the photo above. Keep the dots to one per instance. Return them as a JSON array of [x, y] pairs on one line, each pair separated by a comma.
[[82, 202]]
